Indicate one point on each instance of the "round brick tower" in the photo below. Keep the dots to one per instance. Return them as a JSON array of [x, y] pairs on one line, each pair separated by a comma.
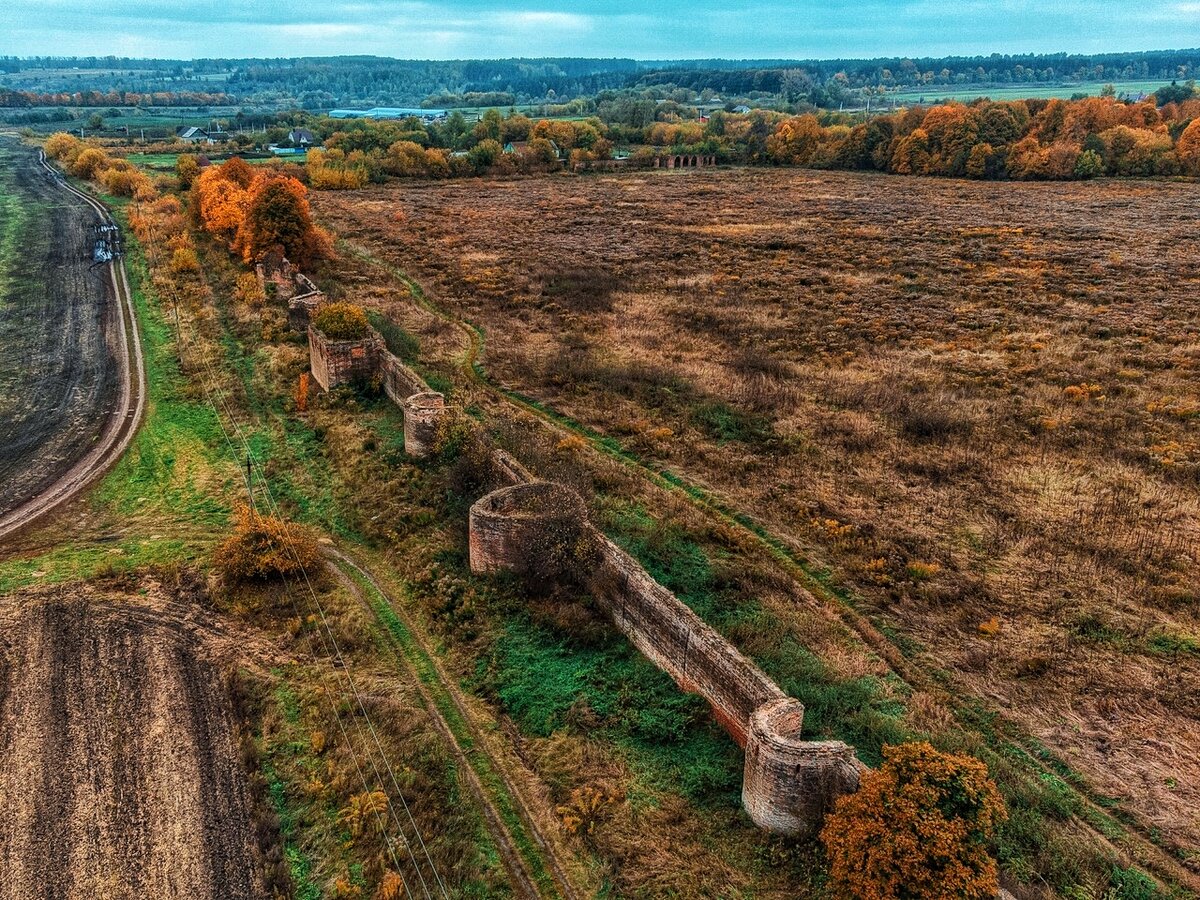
[[423, 414], [790, 783], [529, 529]]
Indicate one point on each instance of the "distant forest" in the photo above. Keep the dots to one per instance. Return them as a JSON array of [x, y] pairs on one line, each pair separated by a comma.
[[322, 83]]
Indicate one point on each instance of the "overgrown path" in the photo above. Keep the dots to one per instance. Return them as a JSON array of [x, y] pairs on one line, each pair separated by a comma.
[[531, 859], [73, 401], [1108, 825]]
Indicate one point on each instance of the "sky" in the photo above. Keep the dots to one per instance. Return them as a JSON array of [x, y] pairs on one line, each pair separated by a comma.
[[642, 29]]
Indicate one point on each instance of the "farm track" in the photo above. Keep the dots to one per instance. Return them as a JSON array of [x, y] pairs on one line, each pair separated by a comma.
[[1137, 840], [54, 471], [535, 871], [119, 766]]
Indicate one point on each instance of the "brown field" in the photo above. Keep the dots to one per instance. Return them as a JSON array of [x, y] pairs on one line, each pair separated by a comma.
[[120, 774], [977, 403]]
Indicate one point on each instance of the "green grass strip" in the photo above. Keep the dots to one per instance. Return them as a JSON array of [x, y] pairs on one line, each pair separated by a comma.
[[403, 643]]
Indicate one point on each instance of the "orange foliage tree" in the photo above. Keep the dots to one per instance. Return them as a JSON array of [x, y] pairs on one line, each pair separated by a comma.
[[257, 212], [1188, 148], [917, 829], [220, 202], [262, 548], [278, 217]]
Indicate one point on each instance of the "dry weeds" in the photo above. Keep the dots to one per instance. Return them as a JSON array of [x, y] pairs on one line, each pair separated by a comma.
[[977, 402]]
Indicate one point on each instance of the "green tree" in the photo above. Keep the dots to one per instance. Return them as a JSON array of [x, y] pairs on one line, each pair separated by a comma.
[[1089, 165], [484, 154]]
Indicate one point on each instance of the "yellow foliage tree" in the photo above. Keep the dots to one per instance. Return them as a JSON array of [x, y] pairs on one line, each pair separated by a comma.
[[63, 146], [88, 163]]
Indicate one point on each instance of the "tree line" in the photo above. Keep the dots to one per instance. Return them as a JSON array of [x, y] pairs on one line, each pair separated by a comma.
[[1024, 139], [10, 99], [320, 83]]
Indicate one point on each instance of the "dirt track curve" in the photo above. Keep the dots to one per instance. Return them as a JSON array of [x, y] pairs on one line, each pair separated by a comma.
[[119, 770], [72, 381]]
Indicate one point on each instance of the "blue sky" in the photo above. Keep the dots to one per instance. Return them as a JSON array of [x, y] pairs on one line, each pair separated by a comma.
[[650, 29]]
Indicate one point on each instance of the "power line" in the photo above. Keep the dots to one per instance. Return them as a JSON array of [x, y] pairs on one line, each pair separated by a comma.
[[275, 511], [222, 403]]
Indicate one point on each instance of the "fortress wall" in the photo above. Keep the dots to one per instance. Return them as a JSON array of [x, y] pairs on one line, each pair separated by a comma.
[[542, 529], [509, 470], [678, 641], [398, 381], [339, 362], [424, 414], [789, 784]]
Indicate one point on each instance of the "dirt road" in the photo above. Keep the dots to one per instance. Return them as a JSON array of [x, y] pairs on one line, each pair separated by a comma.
[[71, 383], [119, 771]]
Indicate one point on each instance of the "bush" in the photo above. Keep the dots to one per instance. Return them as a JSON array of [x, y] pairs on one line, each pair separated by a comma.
[[62, 146], [263, 548], [342, 322], [918, 829]]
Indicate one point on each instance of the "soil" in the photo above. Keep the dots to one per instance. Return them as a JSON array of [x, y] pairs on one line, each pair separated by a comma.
[[119, 769], [58, 318]]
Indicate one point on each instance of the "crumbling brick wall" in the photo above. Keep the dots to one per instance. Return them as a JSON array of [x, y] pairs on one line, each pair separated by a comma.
[[789, 782], [677, 640], [424, 414], [398, 381], [340, 362]]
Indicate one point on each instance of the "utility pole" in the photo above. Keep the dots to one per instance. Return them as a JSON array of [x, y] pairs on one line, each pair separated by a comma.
[[249, 481]]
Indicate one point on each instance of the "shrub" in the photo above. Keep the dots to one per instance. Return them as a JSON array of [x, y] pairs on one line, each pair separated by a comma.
[[184, 261], [249, 291], [88, 163], [342, 321], [263, 548], [917, 829], [61, 145]]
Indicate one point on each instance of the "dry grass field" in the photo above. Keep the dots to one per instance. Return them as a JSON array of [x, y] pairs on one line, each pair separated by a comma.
[[977, 403]]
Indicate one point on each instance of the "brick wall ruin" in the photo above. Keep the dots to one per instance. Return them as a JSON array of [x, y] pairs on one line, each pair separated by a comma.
[[540, 528], [367, 359], [684, 161], [301, 294], [398, 381], [341, 362], [423, 417]]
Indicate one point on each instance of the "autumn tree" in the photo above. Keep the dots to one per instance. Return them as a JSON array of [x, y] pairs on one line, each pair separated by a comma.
[[278, 216], [220, 203], [1187, 148], [484, 154], [917, 829], [187, 167], [795, 141], [62, 146], [89, 163], [911, 156]]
